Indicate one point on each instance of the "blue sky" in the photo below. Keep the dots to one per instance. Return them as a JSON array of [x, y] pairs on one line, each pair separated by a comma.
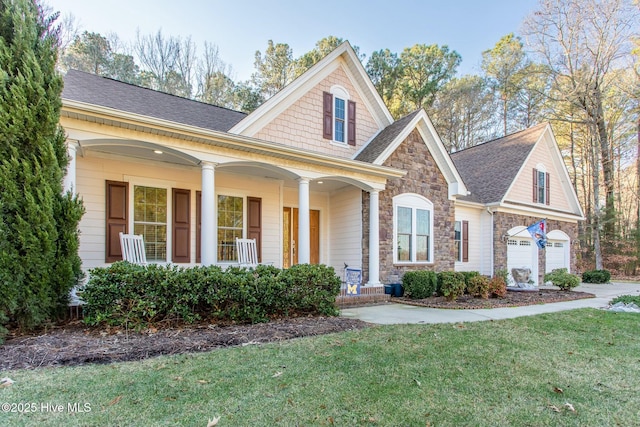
[[240, 27]]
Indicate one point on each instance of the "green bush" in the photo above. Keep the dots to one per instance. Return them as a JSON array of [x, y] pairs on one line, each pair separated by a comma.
[[135, 296], [627, 299], [451, 284], [596, 276], [561, 278], [498, 286], [468, 275], [419, 284], [478, 286]]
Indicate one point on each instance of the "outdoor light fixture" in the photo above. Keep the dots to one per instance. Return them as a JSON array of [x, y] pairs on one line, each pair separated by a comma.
[[157, 151]]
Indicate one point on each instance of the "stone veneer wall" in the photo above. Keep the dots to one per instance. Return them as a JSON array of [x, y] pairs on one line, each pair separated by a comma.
[[503, 222], [424, 178]]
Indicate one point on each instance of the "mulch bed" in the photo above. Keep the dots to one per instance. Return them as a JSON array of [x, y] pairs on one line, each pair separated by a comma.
[[73, 343], [513, 299]]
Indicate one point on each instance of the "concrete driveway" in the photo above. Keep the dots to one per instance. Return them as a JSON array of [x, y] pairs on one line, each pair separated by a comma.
[[393, 313]]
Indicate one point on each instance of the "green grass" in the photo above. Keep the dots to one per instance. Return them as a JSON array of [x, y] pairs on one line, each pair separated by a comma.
[[504, 373]]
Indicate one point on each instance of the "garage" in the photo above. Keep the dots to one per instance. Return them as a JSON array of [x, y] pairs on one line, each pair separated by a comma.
[[522, 252], [557, 251]]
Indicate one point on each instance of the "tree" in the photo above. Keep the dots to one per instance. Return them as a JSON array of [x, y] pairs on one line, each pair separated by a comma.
[[383, 68], [580, 43], [424, 70], [168, 63], [462, 112], [39, 261], [94, 53], [275, 70], [504, 66]]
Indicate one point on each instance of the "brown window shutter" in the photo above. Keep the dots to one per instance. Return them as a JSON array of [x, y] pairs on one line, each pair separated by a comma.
[[117, 207], [351, 127], [181, 248], [465, 241], [327, 123], [254, 222], [547, 186], [198, 226], [535, 185]]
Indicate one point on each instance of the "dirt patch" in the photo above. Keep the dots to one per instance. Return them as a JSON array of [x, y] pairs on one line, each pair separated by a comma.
[[75, 344], [513, 299]]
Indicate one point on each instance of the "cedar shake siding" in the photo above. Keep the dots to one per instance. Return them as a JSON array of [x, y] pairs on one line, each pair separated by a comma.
[[424, 178]]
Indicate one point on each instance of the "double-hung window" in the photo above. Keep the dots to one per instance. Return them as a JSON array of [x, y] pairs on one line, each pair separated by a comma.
[[150, 220], [541, 186], [413, 229], [461, 240], [230, 226], [339, 117]]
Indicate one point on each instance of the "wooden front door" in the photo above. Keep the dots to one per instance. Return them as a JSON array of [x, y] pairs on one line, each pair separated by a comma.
[[290, 236]]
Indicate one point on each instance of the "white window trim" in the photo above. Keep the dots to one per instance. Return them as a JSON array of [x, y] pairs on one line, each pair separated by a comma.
[[134, 181], [413, 201], [459, 254], [232, 193], [340, 92], [541, 169]]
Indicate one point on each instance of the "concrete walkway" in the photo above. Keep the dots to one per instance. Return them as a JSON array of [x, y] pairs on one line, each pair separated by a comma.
[[393, 313]]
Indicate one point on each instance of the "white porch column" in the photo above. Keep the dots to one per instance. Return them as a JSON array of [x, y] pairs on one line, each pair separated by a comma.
[[374, 239], [69, 183], [304, 240], [209, 237]]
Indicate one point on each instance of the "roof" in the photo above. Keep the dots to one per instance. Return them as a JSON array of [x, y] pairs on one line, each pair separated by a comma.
[[92, 89], [489, 169], [384, 139]]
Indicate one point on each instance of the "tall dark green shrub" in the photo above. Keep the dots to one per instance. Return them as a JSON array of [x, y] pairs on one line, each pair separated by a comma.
[[419, 284], [596, 276], [39, 261]]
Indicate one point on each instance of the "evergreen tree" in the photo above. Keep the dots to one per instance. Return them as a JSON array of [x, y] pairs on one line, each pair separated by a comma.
[[39, 261]]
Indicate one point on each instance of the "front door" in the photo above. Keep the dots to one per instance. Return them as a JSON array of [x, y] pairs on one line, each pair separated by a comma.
[[290, 236]]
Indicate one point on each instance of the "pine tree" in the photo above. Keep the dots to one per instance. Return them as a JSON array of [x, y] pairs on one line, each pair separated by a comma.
[[39, 261]]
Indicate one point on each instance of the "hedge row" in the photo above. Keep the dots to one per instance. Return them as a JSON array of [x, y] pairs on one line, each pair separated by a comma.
[[451, 284], [133, 295]]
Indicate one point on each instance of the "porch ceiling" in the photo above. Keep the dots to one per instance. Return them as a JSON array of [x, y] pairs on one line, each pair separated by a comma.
[[139, 150]]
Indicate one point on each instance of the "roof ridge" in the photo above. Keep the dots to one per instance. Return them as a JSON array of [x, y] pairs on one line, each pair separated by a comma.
[[154, 90], [527, 130]]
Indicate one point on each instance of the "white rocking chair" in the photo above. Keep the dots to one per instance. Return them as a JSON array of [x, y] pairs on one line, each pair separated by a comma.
[[132, 246], [247, 252]]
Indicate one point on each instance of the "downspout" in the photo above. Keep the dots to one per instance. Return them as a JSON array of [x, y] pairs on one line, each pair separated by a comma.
[[492, 261]]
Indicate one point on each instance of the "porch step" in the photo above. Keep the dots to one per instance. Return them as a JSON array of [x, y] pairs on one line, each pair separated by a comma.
[[368, 295]]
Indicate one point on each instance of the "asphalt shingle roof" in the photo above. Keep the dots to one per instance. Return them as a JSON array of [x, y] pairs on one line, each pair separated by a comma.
[[489, 169], [105, 92], [380, 143]]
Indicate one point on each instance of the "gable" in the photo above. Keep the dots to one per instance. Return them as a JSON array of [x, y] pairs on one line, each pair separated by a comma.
[[545, 157], [300, 124]]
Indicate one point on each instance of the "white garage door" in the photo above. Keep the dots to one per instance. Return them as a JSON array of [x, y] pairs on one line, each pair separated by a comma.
[[556, 255], [521, 253]]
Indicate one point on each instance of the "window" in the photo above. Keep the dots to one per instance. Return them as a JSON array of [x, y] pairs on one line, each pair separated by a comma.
[[541, 183], [339, 123], [413, 225], [339, 116], [230, 226], [461, 240], [150, 220]]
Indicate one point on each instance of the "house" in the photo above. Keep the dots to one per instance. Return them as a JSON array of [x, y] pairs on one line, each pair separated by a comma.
[[514, 182], [320, 173]]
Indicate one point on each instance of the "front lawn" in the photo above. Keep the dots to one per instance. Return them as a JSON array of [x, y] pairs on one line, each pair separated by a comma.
[[578, 367]]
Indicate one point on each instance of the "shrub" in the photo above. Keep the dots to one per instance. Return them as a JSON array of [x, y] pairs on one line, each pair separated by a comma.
[[561, 278], [419, 284], [451, 284], [478, 286], [132, 295], [627, 299], [498, 287], [468, 275], [596, 276]]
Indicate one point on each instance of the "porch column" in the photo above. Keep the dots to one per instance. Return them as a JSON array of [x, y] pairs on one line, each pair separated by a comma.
[[69, 183], [304, 240], [209, 237], [374, 239]]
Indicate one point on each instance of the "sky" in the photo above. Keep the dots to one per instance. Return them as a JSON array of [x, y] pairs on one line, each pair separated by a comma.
[[241, 27]]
